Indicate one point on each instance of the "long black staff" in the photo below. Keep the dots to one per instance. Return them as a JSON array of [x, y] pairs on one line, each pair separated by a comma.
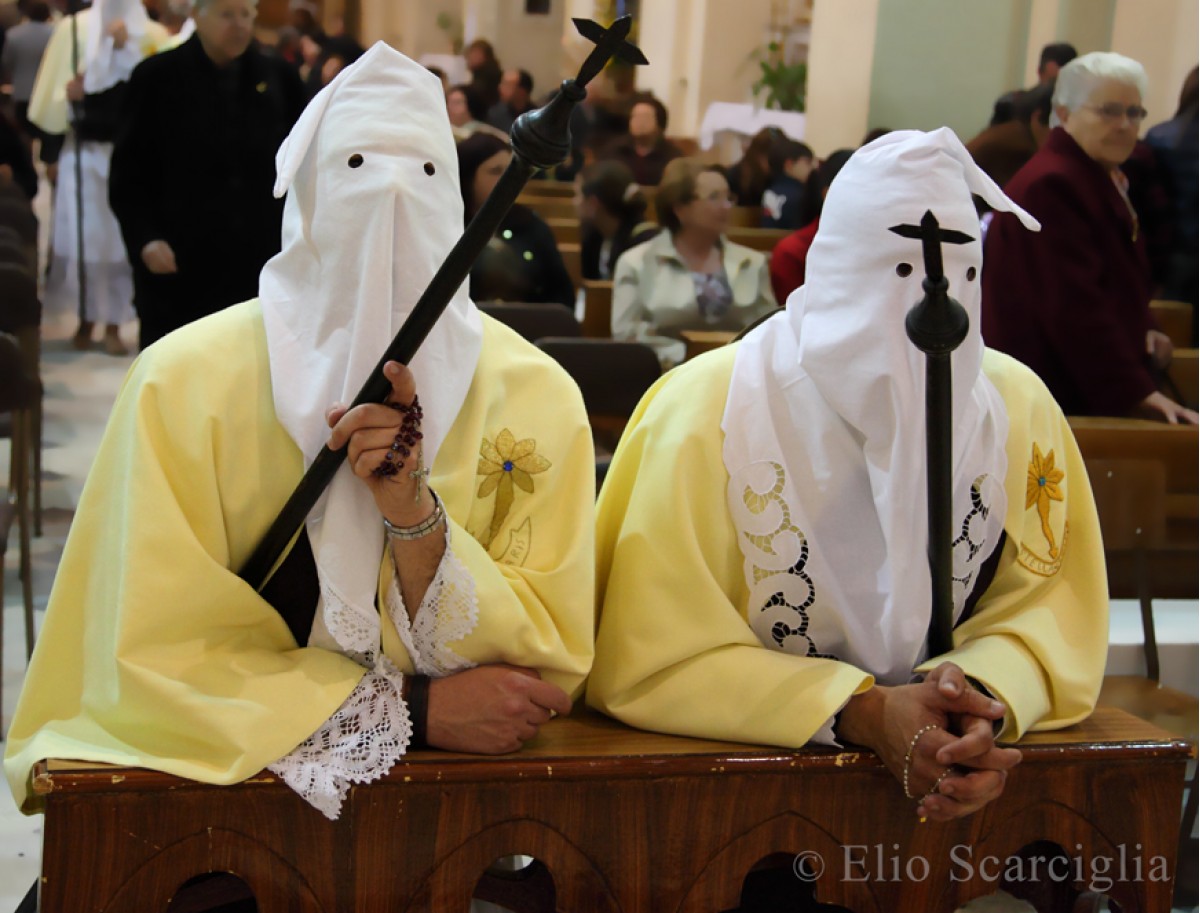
[[540, 139], [73, 10], [937, 325]]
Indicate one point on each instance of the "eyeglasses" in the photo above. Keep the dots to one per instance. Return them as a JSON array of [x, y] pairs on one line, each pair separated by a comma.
[[1114, 111]]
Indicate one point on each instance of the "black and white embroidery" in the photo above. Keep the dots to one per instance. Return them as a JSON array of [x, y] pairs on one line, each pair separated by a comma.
[[970, 539], [781, 632]]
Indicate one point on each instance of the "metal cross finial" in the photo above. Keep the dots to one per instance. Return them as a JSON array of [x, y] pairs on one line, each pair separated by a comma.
[[610, 42], [932, 237]]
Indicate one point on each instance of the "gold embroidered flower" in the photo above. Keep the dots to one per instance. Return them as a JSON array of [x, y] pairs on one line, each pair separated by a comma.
[[1041, 487], [503, 464]]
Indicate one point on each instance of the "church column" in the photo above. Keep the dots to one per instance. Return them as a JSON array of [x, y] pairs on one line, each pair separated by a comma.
[[840, 60]]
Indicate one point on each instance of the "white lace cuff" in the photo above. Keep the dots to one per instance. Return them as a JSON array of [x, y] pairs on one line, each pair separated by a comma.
[[448, 613], [361, 742]]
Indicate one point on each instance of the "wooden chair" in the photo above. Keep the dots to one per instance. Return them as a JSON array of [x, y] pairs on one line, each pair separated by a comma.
[[597, 308], [761, 239], [1175, 319], [533, 321], [20, 390], [612, 376], [573, 260], [701, 341], [21, 315], [566, 231]]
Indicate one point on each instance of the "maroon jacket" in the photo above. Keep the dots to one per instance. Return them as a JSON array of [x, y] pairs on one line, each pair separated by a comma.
[[1073, 300]]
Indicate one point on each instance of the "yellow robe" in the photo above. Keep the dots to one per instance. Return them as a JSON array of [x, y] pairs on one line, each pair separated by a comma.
[[674, 649], [48, 105], [154, 653]]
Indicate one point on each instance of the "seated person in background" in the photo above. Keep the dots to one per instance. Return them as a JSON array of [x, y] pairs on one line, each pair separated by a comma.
[[1002, 150], [1174, 143], [748, 176], [612, 215], [644, 149], [790, 255], [522, 262], [468, 113], [516, 97], [791, 163], [689, 277], [1053, 58], [1073, 302], [761, 534], [154, 653], [485, 70]]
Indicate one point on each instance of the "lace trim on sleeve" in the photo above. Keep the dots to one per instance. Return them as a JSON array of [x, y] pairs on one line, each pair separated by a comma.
[[448, 613], [361, 742]]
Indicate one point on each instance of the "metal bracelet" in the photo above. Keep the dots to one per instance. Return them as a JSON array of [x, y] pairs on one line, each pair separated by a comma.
[[420, 530]]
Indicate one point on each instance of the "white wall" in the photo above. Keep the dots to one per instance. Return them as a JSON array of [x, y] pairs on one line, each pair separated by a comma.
[[1161, 35]]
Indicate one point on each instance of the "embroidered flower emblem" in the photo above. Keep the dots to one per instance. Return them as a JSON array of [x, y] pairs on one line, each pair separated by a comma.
[[1041, 487], [503, 464]]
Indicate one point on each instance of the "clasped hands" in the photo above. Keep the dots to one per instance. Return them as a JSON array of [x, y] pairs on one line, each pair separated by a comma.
[[957, 766], [490, 709]]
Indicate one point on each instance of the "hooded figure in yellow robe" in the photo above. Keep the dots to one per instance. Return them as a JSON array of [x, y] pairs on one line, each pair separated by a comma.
[[762, 530], [154, 653]]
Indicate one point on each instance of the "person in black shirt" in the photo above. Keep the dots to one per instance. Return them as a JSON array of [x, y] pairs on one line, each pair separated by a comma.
[[194, 167]]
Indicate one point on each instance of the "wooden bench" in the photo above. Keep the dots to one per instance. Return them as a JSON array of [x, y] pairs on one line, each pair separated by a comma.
[[1184, 372], [566, 231], [622, 820], [1175, 319], [1173, 567], [551, 207], [701, 341], [597, 308], [761, 239], [572, 257]]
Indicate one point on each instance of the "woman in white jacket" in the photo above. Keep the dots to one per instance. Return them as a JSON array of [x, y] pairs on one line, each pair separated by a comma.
[[689, 277]]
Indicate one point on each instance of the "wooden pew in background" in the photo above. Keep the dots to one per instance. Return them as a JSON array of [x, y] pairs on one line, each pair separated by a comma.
[[745, 217], [558, 189], [763, 239], [1173, 566], [566, 231], [1175, 319], [573, 261], [701, 341], [551, 207], [597, 308], [1184, 372]]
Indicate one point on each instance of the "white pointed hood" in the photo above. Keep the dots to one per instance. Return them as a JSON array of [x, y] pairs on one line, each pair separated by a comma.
[[104, 64], [372, 209], [825, 419]]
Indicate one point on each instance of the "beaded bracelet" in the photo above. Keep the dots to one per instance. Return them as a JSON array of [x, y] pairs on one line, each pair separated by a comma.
[[912, 746], [420, 530]]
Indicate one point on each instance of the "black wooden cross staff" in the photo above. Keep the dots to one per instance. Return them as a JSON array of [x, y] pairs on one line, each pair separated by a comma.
[[540, 139], [937, 325]]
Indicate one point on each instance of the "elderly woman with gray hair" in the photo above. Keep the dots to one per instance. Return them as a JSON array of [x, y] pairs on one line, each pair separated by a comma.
[[1072, 301]]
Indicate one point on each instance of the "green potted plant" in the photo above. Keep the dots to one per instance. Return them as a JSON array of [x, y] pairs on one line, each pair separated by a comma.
[[783, 83]]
